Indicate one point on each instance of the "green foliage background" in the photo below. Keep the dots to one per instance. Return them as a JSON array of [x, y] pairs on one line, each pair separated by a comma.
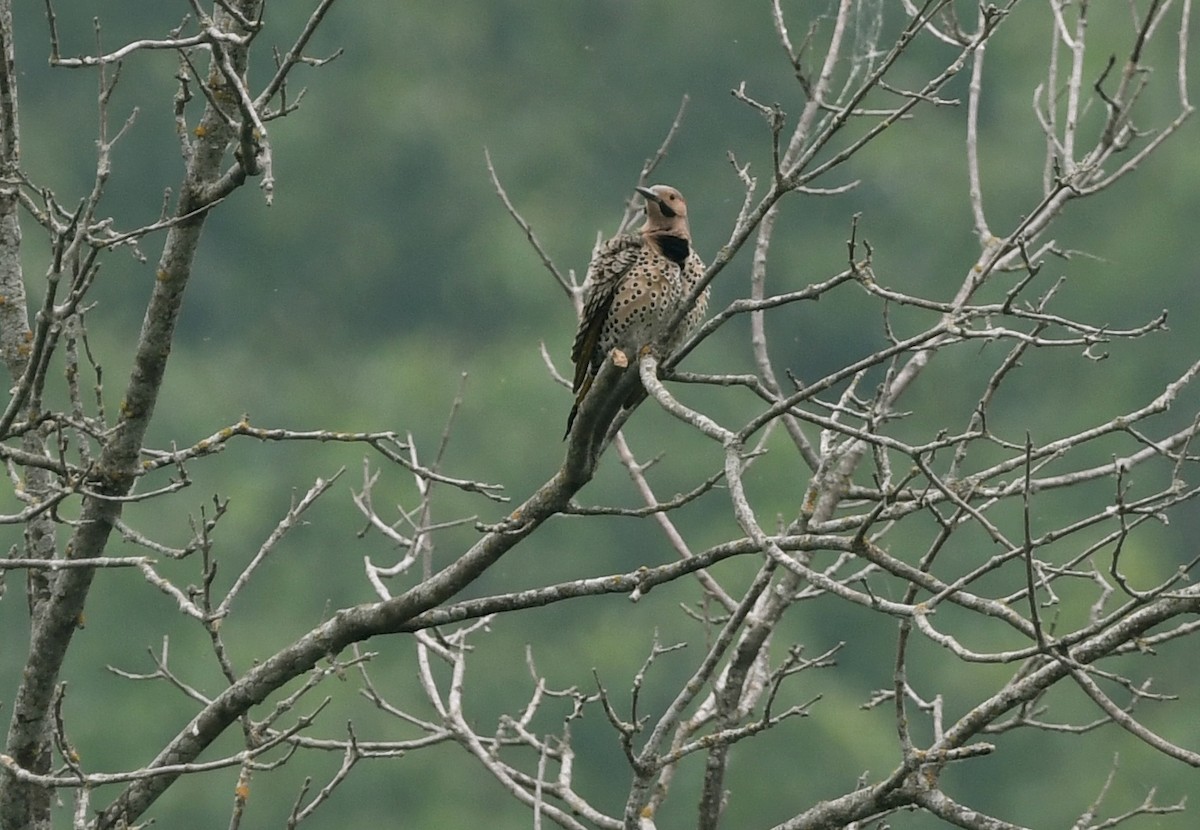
[[387, 269]]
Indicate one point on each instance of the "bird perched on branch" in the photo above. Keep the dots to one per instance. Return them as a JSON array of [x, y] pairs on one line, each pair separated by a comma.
[[635, 284]]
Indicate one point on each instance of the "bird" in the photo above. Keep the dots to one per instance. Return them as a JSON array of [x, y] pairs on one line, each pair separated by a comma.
[[635, 284]]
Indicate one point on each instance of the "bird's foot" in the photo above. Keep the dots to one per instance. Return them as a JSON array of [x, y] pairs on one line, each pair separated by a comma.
[[619, 358]]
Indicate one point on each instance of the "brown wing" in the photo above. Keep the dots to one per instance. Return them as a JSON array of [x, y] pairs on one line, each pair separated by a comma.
[[608, 267]]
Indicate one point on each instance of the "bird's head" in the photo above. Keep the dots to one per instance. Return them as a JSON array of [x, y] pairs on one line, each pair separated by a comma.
[[666, 211]]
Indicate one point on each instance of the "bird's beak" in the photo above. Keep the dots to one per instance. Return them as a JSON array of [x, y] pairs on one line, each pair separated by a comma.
[[650, 196]]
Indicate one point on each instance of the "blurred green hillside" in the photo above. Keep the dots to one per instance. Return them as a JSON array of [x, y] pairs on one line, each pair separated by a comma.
[[387, 269]]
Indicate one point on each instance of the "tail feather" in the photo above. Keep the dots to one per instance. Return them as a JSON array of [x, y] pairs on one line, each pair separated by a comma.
[[583, 390]]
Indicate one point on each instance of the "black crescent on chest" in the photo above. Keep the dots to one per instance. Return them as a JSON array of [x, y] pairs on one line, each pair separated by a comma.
[[674, 248]]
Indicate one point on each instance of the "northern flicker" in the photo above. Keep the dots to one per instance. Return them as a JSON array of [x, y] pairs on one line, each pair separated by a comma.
[[635, 285]]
